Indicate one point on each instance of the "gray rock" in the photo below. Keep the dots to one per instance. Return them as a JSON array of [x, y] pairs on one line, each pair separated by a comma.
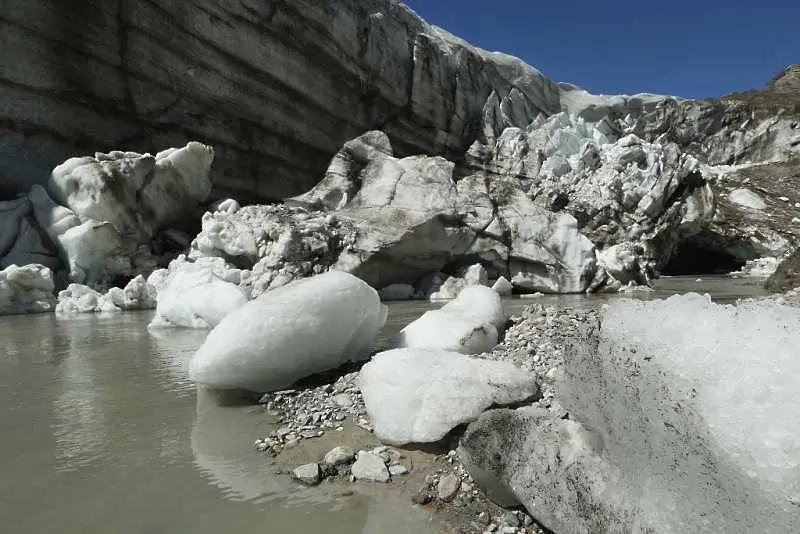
[[339, 455], [397, 470], [370, 468], [308, 474], [447, 487]]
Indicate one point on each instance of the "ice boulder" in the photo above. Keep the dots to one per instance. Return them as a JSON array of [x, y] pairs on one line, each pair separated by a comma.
[[78, 298], [470, 324], [194, 296], [305, 327], [418, 396], [27, 289]]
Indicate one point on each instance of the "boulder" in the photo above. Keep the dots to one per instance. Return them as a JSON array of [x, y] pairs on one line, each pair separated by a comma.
[[26, 289], [418, 396], [787, 275], [286, 334], [673, 425], [470, 324]]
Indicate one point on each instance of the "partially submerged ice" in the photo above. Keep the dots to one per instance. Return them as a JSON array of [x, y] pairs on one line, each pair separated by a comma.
[[194, 296], [286, 334], [470, 324], [418, 396]]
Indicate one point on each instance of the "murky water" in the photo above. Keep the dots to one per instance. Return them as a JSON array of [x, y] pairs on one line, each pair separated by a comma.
[[101, 431]]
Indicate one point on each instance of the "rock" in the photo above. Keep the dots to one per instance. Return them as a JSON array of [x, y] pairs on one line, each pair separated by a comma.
[[469, 324], [448, 487], [193, 296], [369, 467], [308, 474], [343, 400], [26, 289], [503, 287], [654, 365], [786, 275], [747, 198], [339, 456], [397, 292], [397, 470], [20, 239], [306, 327], [422, 497], [407, 68], [418, 396]]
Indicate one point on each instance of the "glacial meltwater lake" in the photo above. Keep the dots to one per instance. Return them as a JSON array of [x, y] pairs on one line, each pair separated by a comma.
[[102, 432]]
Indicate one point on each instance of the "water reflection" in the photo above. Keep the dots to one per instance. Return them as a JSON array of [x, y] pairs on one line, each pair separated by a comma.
[[80, 427]]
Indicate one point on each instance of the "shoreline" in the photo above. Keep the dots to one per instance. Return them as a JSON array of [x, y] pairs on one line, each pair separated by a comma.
[[308, 422]]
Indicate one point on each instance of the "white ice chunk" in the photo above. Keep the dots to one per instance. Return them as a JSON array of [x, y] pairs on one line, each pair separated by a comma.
[[194, 297], [286, 334], [26, 289], [470, 324], [418, 396], [503, 287]]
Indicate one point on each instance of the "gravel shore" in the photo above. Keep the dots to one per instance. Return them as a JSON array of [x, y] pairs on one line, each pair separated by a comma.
[[322, 434]]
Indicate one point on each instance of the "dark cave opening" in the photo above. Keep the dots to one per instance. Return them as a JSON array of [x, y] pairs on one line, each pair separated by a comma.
[[694, 259]]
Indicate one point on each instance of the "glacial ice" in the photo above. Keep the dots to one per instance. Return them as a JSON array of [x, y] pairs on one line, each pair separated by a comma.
[[305, 327], [470, 324], [26, 289], [697, 404], [193, 296], [418, 395]]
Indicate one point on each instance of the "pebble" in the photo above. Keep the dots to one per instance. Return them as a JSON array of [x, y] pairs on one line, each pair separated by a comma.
[[343, 400], [370, 467], [308, 474], [397, 470], [508, 530], [422, 497], [339, 456], [511, 519], [448, 486]]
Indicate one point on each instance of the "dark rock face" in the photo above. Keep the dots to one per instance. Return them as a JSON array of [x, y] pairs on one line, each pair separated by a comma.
[[787, 276], [275, 87]]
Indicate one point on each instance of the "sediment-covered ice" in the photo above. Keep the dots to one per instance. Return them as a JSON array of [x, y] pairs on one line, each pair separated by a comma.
[[697, 404], [286, 334]]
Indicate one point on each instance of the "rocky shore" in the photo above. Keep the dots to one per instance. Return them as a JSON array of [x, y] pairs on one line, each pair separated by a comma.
[[329, 410]]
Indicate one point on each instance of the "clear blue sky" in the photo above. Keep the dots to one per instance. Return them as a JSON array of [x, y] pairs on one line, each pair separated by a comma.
[[693, 49]]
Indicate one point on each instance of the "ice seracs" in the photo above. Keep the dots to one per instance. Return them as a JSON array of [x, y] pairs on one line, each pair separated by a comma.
[[418, 395], [470, 324], [286, 334]]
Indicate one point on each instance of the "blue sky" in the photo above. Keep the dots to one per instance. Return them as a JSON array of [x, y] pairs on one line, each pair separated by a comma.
[[693, 49]]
